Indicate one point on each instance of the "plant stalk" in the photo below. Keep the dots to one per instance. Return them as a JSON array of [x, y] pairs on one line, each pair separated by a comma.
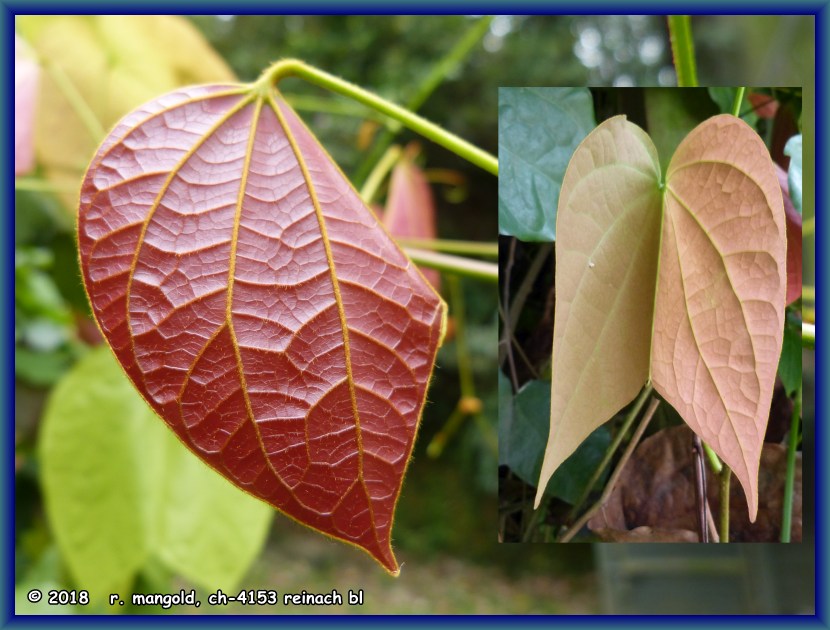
[[463, 248], [455, 264], [736, 104], [438, 73], [376, 177], [293, 67], [725, 477], [683, 50], [789, 484]]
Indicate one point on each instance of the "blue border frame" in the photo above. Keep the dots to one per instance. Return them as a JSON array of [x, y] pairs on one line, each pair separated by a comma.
[[819, 9]]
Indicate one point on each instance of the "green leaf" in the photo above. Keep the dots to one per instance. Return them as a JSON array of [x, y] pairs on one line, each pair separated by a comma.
[[119, 488], [209, 531], [524, 422], [94, 442], [793, 149], [724, 97], [539, 129], [522, 442], [789, 366]]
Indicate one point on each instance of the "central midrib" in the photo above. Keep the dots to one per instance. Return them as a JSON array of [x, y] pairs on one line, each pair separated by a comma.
[[338, 299]]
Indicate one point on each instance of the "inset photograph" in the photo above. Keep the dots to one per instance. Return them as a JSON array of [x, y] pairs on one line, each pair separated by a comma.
[[652, 305]]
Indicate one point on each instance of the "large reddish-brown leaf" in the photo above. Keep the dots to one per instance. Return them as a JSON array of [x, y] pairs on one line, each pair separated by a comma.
[[696, 305], [258, 307], [719, 308]]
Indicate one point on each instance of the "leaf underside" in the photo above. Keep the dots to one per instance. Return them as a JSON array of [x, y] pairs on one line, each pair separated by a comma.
[[708, 254], [257, 306]]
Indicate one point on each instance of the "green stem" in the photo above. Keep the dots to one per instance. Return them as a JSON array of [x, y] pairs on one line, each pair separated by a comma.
[[296, 68], [455, 264], [714, 460], [683, 50], [438, 73], [808, 335], [439, 441], [316, 104], [612, 448], [376, 177], [736, 104], [464, 248], [787, 516], [725, 477]]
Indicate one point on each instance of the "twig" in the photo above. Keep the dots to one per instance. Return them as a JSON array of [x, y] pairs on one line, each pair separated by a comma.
[[520, 297], [725, 478], [710, 522], [789, 484], [615, 476], [700, 490], [505, 314]]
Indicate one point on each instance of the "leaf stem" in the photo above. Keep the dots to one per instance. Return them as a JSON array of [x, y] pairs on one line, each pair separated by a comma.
[[725, 477], [789, 484], [438, 73], [382, 168], [683, 50], [736, 104], [615, 476], [455, 264], [714, 460], [469, 248], [612, 448], [296, 68]]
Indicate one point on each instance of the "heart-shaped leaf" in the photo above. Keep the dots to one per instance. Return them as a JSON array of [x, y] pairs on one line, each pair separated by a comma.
[[258, 307], [708, 332]]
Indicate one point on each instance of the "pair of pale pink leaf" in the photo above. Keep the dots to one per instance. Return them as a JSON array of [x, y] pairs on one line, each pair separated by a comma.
[[679, 282]]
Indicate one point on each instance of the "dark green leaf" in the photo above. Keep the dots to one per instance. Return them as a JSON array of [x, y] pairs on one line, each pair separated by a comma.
[[524, 423], [539, 129], [724, 97], [789, 366]]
